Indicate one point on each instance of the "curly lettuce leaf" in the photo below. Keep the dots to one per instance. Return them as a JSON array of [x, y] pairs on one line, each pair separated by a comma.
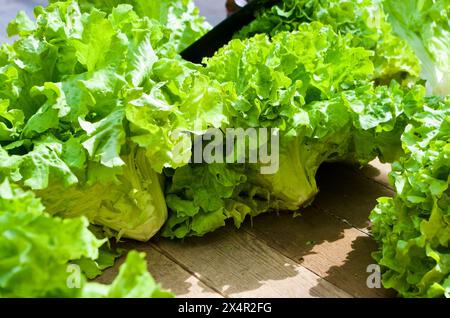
[[272, 79], [38, 252], [184, 102], [180, 16], [413, 228], [203, 197], [133, 206], [133, 281]]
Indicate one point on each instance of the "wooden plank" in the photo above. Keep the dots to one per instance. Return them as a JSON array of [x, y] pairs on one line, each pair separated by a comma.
[[166, 272], [348, 194], [331, 249], [239, 265], [377, 172]]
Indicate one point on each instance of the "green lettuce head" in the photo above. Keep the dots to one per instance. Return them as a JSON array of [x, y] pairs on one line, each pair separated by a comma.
[[89, 103], [365, 20], [312, 85]]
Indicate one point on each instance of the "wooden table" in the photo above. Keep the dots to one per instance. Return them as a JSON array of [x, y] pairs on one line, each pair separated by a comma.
[[324, 252]]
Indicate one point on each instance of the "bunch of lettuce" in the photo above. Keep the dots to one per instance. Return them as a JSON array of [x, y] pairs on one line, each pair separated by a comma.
[[365, 20], [425, 25], [89, 103], [310, 84], [413, 228]]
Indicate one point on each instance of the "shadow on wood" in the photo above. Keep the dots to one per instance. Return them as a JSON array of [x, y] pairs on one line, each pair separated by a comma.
[[348, 194]]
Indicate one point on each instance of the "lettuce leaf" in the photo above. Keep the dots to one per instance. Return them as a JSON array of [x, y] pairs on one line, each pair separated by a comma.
[[180, 16], [413, 227], [37, 252], [425, 25]]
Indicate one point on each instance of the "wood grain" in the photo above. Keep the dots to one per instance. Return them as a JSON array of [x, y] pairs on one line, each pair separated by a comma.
[[167, 273], [239, 265], [331, 249]]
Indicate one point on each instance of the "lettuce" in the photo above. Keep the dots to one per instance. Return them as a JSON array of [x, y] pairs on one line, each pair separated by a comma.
[[37, 252], [365, 20], [180, 16], [413, 227], [134, 206], [312, 85], [425, 26], [91, 104]]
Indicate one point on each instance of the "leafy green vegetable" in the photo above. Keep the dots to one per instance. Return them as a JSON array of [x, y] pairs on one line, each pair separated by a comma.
[[413, 228], [181, 17], [425, 25], [203, 196], [312, 86], [94, 105], [36, 251], [133, 281], [134, 206], [364, 19], [106, 259]]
